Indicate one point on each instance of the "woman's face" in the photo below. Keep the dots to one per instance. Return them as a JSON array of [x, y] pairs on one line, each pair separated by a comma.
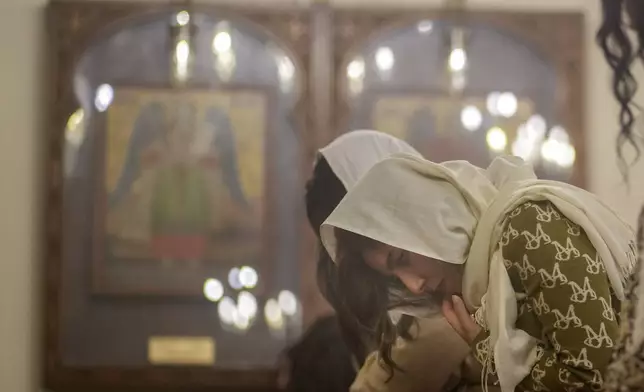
[[420, 274]]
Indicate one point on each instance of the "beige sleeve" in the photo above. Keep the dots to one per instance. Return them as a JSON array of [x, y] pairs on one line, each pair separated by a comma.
[[428, 361]]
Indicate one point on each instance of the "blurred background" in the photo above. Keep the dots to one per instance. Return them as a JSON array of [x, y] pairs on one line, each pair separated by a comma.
[[509, 106]]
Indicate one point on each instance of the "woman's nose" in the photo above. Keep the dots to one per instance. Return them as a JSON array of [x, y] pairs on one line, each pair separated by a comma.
[[414, 283]]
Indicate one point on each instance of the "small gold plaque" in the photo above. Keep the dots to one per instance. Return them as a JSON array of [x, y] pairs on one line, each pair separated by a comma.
[[171, 350]]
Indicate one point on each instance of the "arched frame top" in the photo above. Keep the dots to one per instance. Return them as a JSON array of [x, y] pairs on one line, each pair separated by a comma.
[[556, 37], [74, 27]]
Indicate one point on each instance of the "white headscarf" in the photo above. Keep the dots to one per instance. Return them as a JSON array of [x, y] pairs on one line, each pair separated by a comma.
[[455, 212], [351, 155]]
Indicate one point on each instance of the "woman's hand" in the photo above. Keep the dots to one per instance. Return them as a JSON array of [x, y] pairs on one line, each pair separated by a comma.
[[460, 319]]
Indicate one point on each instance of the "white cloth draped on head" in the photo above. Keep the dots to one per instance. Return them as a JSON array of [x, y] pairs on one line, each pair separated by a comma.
[[455, 212], [351, 155]]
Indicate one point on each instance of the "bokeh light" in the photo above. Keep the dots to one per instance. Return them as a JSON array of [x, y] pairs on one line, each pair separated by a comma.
[[233, 279], [471, 118], [273, 314], [496, 139], [247, 305], [248, 277], [287, 302], [104, 97], [213, 290], [227, 310]]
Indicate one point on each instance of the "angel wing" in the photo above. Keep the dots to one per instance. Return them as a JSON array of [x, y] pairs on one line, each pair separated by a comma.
[[224, 144], [148, 127]]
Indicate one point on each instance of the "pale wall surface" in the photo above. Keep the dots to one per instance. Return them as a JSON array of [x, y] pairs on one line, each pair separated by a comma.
[[20, 131], [21, 135]]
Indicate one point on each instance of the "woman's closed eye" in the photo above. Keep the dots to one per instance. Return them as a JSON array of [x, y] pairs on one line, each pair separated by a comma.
[[397, 260]]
